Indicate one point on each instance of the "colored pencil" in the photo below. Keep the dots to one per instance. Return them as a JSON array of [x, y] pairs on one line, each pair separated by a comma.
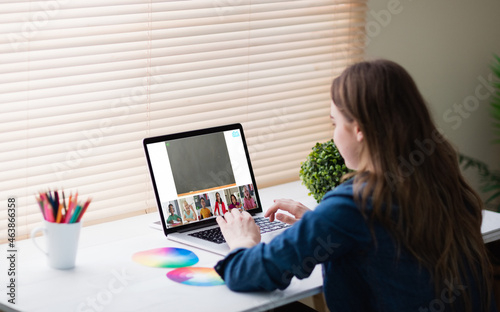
[[75, 214], [59, 214], [69, 211], [48, 212], [53, 210], [64, 203], [83, 210], [56, 204], [40, 204]]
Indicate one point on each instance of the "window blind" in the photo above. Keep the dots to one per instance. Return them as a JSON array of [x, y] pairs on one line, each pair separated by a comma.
[[83, 82]]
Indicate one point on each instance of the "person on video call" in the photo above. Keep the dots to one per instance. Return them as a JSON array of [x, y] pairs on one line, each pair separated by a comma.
[[173, 218], [248, 201], [189, 213], [234, 203], [391, 237], [204, 211], [219, 205]]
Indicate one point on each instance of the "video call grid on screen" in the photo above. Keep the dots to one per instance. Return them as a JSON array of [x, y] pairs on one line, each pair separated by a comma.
[[204, 164], [204, 206]]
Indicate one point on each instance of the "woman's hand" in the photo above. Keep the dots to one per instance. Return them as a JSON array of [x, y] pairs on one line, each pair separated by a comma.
[[239, 229], [295, 208]]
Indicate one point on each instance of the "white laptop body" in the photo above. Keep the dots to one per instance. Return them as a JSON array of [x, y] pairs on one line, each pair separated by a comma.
[[198, 175]]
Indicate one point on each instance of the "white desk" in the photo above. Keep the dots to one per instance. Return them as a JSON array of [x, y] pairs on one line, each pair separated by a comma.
[[491, 226], [106, 278]]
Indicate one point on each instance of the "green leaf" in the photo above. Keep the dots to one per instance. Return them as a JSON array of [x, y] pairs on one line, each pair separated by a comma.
[[491, 187], [491, 198], [323, 169]]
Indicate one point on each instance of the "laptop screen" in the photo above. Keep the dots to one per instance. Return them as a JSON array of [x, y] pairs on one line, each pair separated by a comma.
[[201, 174]]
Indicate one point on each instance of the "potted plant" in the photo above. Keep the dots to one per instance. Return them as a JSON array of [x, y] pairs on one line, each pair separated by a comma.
[[322, 170]]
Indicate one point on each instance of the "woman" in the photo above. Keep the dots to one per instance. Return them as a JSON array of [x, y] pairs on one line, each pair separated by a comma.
[[234, 203], [248, 201], [219, 205], [189, 213], [402, 234]]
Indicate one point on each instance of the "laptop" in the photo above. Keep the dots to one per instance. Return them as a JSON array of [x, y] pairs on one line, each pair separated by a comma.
[[199, 175]]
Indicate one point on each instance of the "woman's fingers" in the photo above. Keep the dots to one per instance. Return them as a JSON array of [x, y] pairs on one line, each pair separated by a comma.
[[285, 218], [295, 208], [239, 229], [220, 221], [279, 204]]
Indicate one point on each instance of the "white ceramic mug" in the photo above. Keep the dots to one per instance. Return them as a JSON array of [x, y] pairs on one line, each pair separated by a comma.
[[61, 241]]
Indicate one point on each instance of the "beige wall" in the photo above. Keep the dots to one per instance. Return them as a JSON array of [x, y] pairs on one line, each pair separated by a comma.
[[447, 47]]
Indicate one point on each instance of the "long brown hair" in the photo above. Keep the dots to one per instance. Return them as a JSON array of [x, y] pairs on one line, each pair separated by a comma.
[[415, 168]]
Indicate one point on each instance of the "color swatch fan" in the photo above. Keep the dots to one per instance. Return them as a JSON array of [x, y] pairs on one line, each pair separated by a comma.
[[196, 276], [166, 257]]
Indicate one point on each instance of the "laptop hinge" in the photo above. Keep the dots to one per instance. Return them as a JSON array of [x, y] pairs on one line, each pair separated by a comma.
[[197, 226]]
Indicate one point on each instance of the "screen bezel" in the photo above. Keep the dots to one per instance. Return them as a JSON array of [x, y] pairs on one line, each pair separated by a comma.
[[186, 134]]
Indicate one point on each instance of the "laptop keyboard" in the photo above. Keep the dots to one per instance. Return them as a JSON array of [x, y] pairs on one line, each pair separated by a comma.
[[214, 235]]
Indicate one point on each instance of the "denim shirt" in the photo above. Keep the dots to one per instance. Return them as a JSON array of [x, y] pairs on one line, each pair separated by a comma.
[[359, 275]]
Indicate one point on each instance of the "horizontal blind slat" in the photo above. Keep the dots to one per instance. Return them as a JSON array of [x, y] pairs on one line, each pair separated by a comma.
[[84, 83]]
